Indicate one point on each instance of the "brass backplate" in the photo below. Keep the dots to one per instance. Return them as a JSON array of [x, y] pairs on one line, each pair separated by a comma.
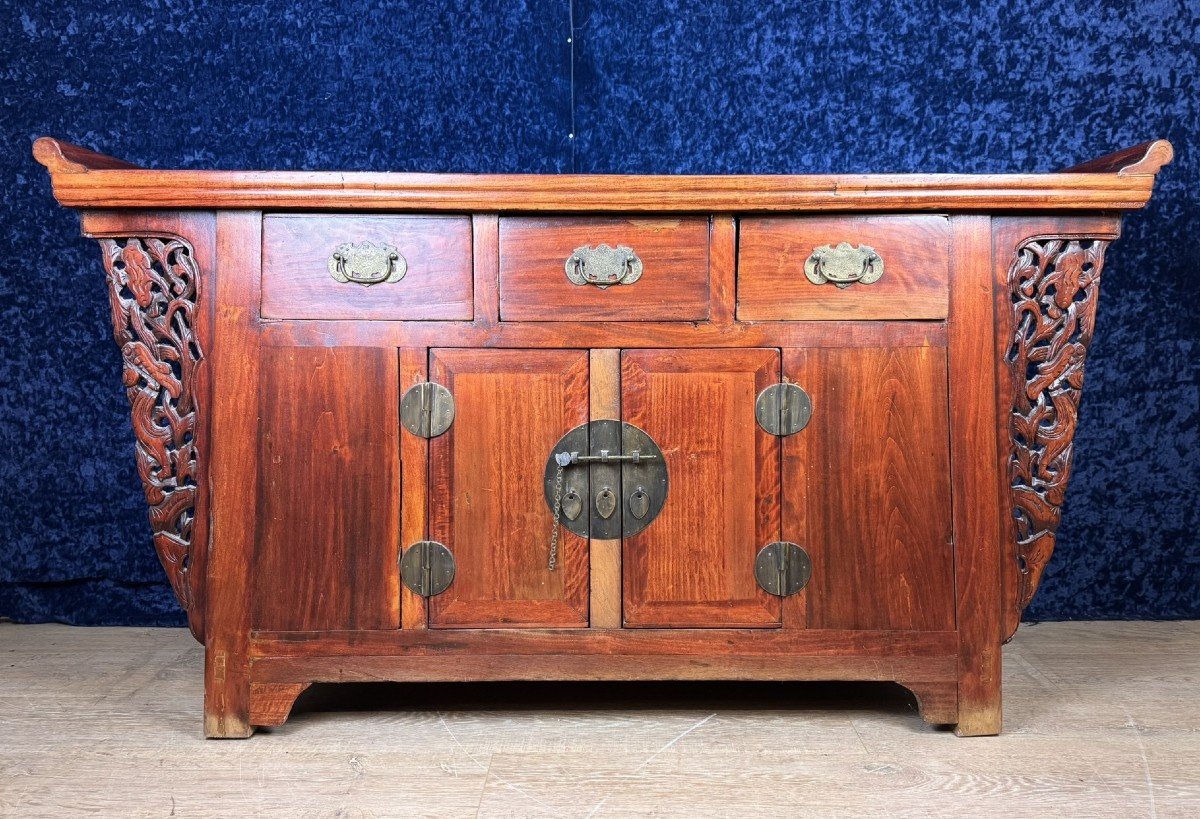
[[427, 409], [782, 568], [427, 568], [367, 263], [783, 409], [603, 266], [622, 477], [843, 265]]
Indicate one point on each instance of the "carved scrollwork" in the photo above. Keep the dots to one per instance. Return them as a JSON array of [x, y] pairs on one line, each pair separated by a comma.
[[1053, 284], [153, 287]]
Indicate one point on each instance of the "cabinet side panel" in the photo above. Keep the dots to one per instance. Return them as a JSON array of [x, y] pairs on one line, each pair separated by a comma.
[[874, 464], [328, 531], [694, 565]]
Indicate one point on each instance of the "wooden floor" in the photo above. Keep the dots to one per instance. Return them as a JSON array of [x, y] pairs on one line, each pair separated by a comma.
[[1102, 719]]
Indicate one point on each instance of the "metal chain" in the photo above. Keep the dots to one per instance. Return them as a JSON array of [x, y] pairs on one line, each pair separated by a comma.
[[558, 482]]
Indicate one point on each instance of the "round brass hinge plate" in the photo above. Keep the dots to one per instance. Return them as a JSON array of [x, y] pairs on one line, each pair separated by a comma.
[[783, 409], [782, 568], [427, 568], [427, 409]]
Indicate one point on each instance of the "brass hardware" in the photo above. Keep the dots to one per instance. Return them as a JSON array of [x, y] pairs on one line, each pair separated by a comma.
[[782, 568], [605, 457], [604, 438], [606, 502], [626, 470], [603, 266], [843, 265], [427, 409], [639, 503], [427, 568], [367, 263], [783, 409], [572, 505]]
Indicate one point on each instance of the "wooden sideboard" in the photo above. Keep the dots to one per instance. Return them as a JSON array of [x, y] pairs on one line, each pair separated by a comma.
[[447, 427]]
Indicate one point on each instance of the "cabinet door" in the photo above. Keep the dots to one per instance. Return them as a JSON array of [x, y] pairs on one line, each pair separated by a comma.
[[486, 497], [867, 489], [694, 565], [328, 490]]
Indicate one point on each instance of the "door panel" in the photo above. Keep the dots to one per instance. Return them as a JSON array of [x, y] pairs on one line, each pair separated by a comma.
[[486, 501], [694, 565], [867, 489], [328, 494]]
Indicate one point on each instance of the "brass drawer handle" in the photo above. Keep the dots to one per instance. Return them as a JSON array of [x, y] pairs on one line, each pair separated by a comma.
[[603, 266], [367, 263], [843, 265]]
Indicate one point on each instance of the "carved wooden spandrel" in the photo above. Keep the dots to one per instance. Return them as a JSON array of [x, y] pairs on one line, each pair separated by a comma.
[[1054, 285], [153, 288]]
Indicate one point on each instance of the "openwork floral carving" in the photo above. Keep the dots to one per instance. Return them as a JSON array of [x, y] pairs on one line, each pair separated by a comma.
[[153, 287], [1054, 285]]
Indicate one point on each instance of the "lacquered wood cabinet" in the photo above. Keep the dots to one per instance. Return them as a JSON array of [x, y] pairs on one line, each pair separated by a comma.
[[443, 427]]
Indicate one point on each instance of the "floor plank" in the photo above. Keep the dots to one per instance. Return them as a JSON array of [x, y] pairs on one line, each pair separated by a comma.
[[1101, 719]]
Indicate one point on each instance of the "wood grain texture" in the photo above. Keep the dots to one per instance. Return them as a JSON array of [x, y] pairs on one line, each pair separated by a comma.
[[63, 157], [598, 654], [1147, 158], [722, 268], [748, 642], [297, 284], [591, 668], [485, 230], [632, 334], [235, 366], [271, 703], [414, 486], [694, 566], [534, 284], [329, 490], [772, 252], [937, 700], [99, 184], [486, 498], [871, 466], [605, 554], [975, 476]]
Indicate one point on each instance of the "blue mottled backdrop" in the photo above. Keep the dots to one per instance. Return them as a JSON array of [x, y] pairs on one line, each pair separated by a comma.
[[756, 86]]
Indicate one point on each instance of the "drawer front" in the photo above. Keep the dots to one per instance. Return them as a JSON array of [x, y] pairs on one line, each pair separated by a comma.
[[671, 254], [911, 260], [433, 253]]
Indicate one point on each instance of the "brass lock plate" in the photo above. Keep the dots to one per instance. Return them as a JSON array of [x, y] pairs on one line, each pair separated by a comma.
[[614, 480]]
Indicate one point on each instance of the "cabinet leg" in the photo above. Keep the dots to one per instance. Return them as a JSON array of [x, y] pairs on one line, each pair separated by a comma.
[[226, 695], [979, 704]]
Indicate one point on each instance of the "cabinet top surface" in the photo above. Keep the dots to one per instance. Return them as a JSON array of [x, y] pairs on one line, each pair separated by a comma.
[[84, 179]]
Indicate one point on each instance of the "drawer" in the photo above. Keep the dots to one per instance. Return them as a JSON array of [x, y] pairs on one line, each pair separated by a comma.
[[671, 254], [433, 254], [911, 259]]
